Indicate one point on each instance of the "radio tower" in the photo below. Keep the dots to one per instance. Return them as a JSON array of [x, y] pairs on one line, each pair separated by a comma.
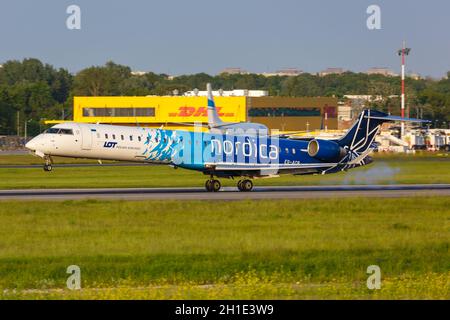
[[403, 52]]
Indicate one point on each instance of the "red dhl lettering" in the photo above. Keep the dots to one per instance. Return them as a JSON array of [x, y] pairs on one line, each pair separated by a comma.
[[186, 111]]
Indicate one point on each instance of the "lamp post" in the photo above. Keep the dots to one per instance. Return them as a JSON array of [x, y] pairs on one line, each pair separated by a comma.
[[403, 52], [25, 134]]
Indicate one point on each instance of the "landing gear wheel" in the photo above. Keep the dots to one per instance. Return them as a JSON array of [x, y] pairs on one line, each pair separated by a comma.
[[48, 163], [212, 185], [245, 185], [215, 185]]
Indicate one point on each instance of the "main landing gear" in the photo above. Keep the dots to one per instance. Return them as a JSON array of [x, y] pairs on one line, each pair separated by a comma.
[[212, 185], [245, 185]]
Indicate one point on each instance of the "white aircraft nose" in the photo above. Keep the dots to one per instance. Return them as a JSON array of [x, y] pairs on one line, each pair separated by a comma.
[[31, 144]]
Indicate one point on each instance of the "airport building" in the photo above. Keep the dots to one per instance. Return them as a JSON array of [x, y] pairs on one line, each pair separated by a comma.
[[293, 113], [281, 113]]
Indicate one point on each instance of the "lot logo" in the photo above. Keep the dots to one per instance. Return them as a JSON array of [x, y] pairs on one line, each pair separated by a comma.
[[110, 144], [186, 111]]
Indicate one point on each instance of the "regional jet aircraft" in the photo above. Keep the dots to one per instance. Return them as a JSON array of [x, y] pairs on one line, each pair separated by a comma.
[[228, 150]]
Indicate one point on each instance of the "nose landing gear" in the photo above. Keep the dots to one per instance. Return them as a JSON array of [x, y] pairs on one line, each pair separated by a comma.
[[245, 185], [48, 164]]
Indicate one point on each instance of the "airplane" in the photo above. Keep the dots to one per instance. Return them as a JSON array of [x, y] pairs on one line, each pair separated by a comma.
[[228, 150]]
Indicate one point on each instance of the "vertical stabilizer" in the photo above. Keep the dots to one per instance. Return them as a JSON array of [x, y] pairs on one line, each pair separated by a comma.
[[362, 134], [213, 116]]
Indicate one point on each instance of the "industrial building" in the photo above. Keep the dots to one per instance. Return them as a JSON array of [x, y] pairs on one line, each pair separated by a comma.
[[281, 113], [293, 113]]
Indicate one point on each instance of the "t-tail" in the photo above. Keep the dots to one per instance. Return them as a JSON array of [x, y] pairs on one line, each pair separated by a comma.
[[354, 147], [361, 135]]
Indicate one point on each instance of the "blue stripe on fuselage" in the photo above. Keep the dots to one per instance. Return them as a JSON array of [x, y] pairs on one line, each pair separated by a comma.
[[194, 149]]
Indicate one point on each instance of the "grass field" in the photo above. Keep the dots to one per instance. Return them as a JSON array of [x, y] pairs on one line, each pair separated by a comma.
[[385, 170], [242, 249]]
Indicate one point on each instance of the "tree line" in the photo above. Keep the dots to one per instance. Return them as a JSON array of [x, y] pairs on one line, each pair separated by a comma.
[[31, 91]]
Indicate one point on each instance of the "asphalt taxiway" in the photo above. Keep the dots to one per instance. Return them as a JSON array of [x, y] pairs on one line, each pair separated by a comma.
[[231, 193]]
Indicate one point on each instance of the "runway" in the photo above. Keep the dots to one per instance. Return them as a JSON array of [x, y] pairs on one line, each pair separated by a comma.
[[231, 193]]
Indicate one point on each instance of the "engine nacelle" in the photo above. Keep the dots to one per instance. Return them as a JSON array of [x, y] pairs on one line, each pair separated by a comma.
[[326, 150]]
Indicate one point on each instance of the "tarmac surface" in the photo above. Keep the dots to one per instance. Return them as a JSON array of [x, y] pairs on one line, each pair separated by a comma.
[[231, 193]]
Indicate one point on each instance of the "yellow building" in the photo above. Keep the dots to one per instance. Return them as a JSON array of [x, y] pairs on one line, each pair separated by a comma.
[[174, 112], [154, 111]]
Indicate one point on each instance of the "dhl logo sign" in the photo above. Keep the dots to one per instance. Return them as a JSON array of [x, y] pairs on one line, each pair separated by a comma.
[[186, 111]]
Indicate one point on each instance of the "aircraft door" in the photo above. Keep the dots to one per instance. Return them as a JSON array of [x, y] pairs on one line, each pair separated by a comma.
[[86, 137]]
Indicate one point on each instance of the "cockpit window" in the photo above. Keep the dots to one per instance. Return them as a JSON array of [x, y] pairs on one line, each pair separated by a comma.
[[52, 130], [59, 130], [65, 131]]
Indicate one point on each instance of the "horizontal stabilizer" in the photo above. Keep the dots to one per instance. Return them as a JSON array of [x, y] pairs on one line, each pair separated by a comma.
[[396, 118]]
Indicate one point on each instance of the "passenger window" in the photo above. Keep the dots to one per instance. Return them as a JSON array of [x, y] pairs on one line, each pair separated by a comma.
[[139, 138], [287, 150], [114, 136], [106, 136], [131, 138], [293, 150], [121, 136]]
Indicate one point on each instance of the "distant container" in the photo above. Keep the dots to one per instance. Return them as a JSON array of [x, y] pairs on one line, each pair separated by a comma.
[[417, 141]]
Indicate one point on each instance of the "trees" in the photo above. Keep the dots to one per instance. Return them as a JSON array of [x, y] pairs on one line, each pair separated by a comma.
[[6, 112], [304, 85], [101, 81], [38, 90], [32, 89]]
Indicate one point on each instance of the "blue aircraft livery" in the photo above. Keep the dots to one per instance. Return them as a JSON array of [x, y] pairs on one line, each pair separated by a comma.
[[253, 154]]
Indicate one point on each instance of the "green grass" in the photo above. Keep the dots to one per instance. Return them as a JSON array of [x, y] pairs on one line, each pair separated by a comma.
[[229, 249], [385, 170]]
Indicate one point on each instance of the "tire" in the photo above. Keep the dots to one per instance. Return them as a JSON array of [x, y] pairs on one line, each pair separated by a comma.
[[247, 185], [208, 185], [215, 185], [239, 185]]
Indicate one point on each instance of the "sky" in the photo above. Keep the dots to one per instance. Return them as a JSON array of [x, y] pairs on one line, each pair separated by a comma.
[[183, 37]]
